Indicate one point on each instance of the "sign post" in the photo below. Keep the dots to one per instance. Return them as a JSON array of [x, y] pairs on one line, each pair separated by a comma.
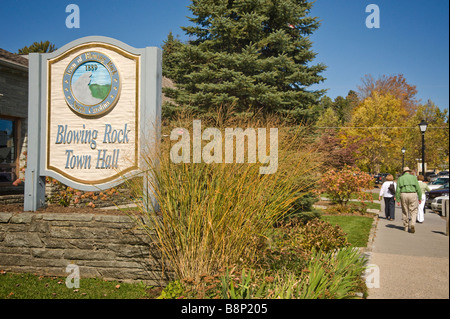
[[94, 112]]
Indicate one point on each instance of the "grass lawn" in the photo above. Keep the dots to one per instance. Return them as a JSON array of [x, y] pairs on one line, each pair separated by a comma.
[[29, 286], [356, 227], [369, 205]]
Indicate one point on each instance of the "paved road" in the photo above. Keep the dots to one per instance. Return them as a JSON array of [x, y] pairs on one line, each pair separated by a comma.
[[411, 266]]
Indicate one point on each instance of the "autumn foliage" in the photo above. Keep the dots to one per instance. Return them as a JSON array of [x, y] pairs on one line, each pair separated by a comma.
[[345, 184], [394, 85], [385, 120]]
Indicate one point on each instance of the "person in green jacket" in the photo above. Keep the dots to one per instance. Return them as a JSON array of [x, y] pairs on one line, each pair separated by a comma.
[[409, 194]]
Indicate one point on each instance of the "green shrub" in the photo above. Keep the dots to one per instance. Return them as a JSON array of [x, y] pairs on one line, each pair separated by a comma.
[[333, 275], [291, 243], [173, 290], [284, 249], [303, 216], [304, 203], [314, 234], [351, 209], [321, 235]]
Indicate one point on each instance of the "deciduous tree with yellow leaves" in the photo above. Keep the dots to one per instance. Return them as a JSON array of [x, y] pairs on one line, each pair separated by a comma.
[[376, 126]]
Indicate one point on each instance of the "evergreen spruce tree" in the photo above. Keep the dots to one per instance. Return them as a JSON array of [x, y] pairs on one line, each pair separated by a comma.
[[253, 55], [170, 47]]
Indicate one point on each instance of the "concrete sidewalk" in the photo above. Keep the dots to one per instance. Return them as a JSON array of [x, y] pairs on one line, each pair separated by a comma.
[[411, 266]]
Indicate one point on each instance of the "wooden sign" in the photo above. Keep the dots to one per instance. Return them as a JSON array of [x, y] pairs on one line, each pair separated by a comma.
[[94, 106]]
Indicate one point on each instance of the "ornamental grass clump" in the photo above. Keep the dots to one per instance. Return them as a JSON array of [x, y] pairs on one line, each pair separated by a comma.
[[213, 215]]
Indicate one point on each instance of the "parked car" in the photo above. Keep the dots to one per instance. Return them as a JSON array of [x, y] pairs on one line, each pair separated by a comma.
[[432, 177], [375, 178], [380, 178], [438, 182], [443, 173], [436, 204], [443, 191]]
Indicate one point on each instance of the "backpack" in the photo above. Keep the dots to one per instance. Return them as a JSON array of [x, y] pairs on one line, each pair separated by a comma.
[[391, 189]]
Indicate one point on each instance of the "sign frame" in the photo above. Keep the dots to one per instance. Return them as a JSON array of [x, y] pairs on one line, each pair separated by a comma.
[[148, 122]]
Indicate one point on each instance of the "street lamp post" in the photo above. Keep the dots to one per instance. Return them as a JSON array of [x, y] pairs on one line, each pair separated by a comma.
[[423, 127], [403, 157]]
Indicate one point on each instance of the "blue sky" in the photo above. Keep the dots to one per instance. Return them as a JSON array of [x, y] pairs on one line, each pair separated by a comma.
[[413, 38]]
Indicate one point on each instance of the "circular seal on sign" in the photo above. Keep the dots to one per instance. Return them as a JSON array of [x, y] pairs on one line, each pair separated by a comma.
[[91, 84]]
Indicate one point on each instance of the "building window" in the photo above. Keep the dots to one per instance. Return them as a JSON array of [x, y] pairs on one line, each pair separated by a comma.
[[8, 151]]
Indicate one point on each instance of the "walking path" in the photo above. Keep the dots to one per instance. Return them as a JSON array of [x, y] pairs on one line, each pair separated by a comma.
[[411, 266]]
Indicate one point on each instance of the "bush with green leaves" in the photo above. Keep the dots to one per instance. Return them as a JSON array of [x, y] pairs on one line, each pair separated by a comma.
[[312, 234], [321, 235], [303, 208], [173, 290]]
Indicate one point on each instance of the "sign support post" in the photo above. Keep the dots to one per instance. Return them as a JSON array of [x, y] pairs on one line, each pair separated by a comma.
[[34, 196], [151, 117]]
